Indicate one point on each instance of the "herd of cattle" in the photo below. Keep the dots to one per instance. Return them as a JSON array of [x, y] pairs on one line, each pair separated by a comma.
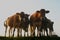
[[21, 21]]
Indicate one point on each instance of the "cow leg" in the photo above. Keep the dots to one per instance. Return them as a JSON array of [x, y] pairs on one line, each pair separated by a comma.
[[44, 32], [50, 33], [9, 31], [18, 32], [13, 32], [26, 30], [47, 32], [32, 31], [51, 29], [38, 32], [5, 31]]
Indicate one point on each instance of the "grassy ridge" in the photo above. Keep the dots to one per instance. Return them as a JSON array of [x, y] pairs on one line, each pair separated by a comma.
[[30, 38]]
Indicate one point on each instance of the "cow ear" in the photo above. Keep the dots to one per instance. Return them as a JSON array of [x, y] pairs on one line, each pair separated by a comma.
[[17, 13], [47, 11]]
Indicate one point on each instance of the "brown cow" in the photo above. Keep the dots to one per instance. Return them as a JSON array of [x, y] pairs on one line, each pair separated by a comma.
[[19, 21], [36, 19], [24, 23], [12, 22]]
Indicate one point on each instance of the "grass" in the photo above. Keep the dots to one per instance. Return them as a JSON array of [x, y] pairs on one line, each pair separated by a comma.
[[30, 38]]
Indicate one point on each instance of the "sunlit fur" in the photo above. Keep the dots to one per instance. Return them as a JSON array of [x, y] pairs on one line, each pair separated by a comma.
[[11, 22], [36, 21]]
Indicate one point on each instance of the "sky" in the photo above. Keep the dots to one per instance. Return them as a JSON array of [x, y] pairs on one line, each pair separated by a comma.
[[10, 7]]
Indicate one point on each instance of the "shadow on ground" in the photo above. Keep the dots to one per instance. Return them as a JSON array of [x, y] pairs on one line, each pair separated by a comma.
[[31, 38]]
